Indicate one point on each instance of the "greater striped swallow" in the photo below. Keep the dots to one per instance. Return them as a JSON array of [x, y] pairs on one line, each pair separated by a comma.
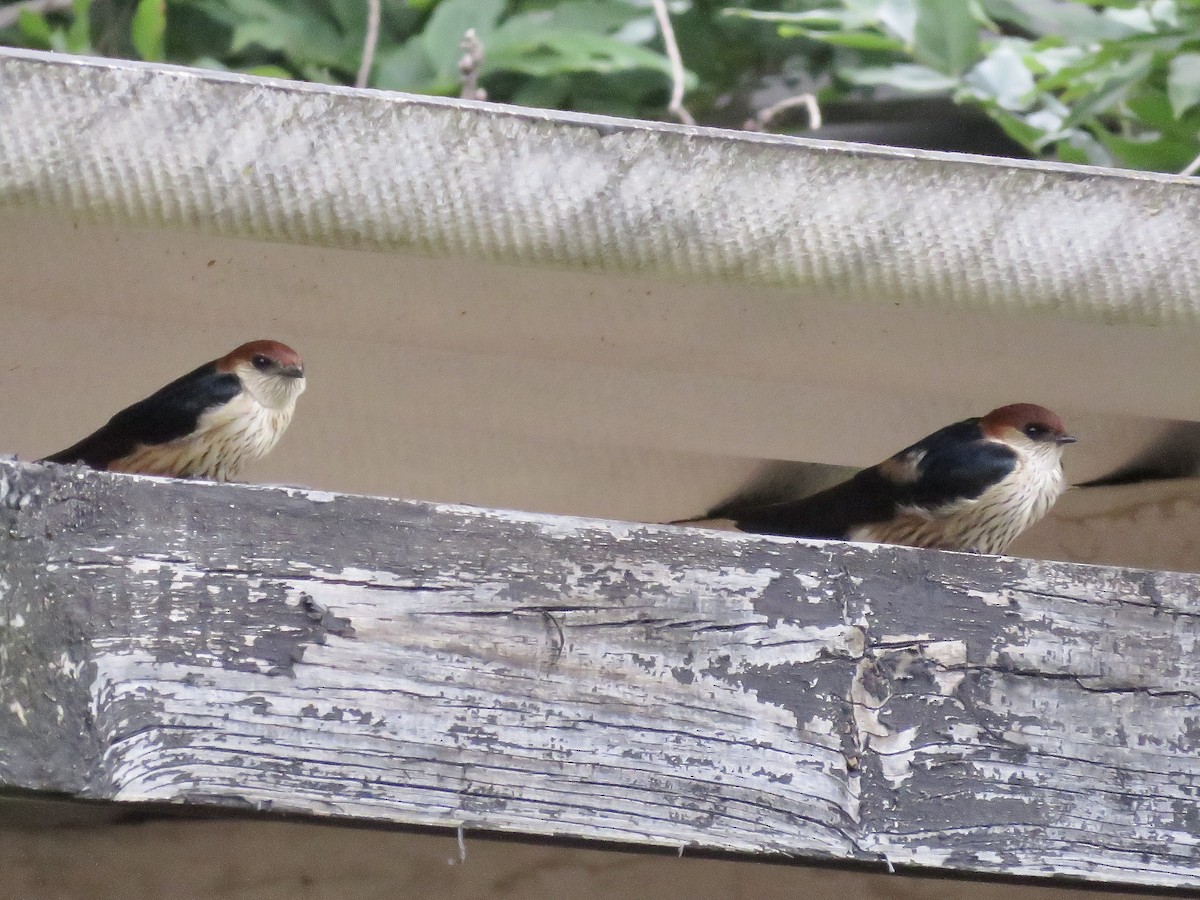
[[971, 486], [207, 424]]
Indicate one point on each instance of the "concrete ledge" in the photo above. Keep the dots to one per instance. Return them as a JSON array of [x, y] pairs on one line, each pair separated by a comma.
[[141, 145]]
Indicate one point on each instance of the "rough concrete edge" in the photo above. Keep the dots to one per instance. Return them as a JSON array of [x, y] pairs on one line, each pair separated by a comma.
[[962, 231]]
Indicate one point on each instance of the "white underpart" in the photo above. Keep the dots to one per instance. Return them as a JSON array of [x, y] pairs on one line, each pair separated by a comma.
[[991, 521], [228, 437]]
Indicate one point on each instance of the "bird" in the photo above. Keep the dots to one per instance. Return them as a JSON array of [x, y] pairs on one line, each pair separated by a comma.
[[973, 486], [208, 423]]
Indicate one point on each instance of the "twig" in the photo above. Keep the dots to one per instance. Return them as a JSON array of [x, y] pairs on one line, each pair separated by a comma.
[[675, 107], [369, 44], [1192, 168], [469, 65], [764, 117], [10, 14]]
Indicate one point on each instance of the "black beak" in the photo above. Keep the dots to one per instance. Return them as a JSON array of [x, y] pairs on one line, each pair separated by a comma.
[[1065, 439], [298, 372]]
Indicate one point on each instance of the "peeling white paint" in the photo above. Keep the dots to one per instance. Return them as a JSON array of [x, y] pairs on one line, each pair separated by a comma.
[[820, 725], [1003, 597], [965, 732], [19, 711], [69, 667], [866, 705], [951, 659], [896, 754], [144, 566], [948, 682], [310, 494], [369, 577]]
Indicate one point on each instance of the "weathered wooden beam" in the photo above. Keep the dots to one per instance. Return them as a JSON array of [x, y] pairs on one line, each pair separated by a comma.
[[408, 662]]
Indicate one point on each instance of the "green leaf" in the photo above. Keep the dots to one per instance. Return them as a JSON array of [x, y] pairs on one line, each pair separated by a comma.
[[1110, 90], [907, 77], [351, 15], [318, 75], [844, 20], [1008, 11], [1050, 60], [297, 30], [1003, 77], [147, 29], [269, 71], [1082, 147], [1138, 19], [900, 18], [444, 32], [1066, 152], [601, 16], [1018, 129], [1043, 17], [946, 35], [405, 67], [855, 27], [1048, 121], [79, 32], [544, 52], [1183, 83], [35, 28], [1152, 111], [207, 62], [1166, 12], [857, 40], [217, 10], [544, 93], [1162, 155]]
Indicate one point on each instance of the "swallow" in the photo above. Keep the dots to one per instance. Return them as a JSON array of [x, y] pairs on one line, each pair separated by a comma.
[[208, 423], [971, 486]]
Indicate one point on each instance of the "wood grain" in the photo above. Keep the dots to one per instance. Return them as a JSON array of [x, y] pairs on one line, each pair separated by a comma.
[[407, 662]]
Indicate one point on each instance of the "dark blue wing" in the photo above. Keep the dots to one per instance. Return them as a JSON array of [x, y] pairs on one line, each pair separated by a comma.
[[951, 464], [957, 464], [169, 413], [830, 513]]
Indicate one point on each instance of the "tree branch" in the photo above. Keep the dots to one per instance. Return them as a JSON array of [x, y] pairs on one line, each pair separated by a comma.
[[764, 117], [370, 41], [1192, 168], [675, 106], [469, 65]]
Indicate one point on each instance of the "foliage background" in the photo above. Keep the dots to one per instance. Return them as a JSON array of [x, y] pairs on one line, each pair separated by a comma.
[[1114, 82]]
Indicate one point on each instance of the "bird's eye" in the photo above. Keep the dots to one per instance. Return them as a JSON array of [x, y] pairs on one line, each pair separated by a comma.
[[262, 363], [1036, 431]]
